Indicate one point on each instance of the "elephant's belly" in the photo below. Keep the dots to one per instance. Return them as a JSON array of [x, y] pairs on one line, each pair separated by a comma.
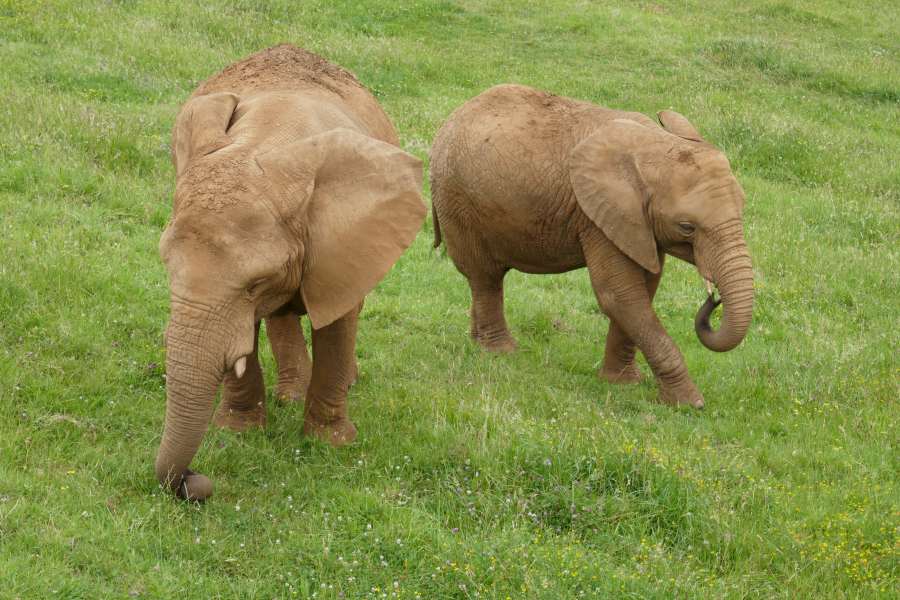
[[534, 249], [549, 268], [528, 236], [545, 260]]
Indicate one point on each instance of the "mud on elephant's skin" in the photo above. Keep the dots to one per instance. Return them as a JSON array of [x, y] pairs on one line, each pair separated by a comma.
[[523, 179], [291, 198]]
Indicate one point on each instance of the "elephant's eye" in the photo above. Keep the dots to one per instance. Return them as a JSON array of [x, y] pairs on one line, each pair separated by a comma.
[[686, 228]]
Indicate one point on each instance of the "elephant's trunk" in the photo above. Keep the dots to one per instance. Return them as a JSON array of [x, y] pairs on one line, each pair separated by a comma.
[[733, 274], [194, 370]]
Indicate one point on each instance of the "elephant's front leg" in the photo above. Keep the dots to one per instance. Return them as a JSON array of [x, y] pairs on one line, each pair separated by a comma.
[[289, 347], [619, 365], [333, 371], [621, 289], [244, 399]]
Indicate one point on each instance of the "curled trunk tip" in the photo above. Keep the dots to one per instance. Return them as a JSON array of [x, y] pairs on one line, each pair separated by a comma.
[[735, 322], [701, 321]]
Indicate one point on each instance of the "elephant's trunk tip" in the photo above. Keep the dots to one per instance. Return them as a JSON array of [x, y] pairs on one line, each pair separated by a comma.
[[735, 322], [188, 486], [195, 487], [701, 321]]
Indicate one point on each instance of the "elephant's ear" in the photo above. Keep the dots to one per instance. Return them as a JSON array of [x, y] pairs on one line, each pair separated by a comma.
[[605, 171], [676, 123], [200, 128], [358, 201]]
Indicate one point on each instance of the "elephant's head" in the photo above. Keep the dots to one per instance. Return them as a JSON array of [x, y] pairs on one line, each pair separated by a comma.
[[317, 222], [650, 188]]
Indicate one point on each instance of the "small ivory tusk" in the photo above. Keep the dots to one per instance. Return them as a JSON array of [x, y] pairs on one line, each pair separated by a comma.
[[240, 366], [709, 287]]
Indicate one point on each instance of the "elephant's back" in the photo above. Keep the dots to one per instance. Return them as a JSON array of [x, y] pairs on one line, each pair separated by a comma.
[[503, 130], [510, 146], [499, 164], [288, 68]]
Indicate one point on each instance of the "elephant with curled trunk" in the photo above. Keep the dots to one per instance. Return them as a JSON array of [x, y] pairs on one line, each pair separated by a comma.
[[291, 198], [522, 179]]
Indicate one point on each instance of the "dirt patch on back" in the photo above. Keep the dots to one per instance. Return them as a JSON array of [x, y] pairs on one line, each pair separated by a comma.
[[686, 157], [282, 67], [502, 96]]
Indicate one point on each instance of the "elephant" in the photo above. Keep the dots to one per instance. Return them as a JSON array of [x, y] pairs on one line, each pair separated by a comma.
[[292, 197], [527, 180]]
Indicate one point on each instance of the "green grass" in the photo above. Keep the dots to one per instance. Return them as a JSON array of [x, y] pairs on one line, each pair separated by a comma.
[[474, 476]]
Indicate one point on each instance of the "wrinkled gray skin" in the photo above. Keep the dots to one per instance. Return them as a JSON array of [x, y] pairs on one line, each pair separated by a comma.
[[522, 179], [291, 198]]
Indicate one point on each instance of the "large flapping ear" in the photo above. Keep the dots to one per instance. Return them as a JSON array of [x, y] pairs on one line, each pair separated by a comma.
[[606, 174], [200, 128], [676, 123], [358, 201]]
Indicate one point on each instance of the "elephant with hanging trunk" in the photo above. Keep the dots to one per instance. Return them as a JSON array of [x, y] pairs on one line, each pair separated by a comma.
[[291, 198], [522, 179]]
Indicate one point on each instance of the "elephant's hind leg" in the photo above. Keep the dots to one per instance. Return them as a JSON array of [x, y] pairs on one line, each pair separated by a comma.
[[489, 326], [289, 347], [472, 257], [618, 361], [244, 400]]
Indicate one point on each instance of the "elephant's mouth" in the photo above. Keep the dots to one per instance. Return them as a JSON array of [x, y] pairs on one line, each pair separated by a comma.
[[684, 252]]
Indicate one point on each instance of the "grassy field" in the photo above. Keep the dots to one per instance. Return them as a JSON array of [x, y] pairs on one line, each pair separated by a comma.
[[474, 476]]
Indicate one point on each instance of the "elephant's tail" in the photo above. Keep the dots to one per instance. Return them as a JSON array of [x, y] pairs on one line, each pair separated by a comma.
[[437, 225]]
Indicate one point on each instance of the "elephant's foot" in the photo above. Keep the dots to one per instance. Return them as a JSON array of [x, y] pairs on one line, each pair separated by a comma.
[[684, 393], [337, 433], [501, 344], [240, 419], [194, 486]]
